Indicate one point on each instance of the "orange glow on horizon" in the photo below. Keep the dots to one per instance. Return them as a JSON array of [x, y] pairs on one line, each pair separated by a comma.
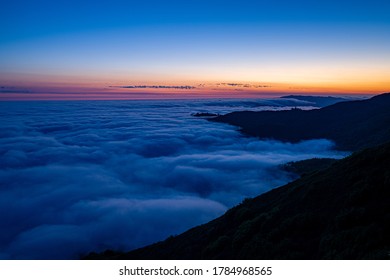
[[44, 87]]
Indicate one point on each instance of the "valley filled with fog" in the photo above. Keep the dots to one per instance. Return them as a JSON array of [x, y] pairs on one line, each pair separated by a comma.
[[81, 176]]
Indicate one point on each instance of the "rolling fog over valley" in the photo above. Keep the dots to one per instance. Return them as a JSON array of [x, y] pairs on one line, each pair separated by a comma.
[[82, 176]]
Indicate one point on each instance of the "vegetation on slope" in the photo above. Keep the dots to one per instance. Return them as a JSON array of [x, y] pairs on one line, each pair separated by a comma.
[[307, 166]]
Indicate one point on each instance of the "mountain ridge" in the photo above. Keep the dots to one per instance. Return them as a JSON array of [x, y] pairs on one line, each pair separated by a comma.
[[352, 125], [318, 101]]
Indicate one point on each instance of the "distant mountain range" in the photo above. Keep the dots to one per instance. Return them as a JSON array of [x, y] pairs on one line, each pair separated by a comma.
[[318, 101], [337, 210], [352, 125]]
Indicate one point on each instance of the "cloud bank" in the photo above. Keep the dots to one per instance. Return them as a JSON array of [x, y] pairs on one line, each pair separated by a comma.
[[156, 87], [85, 176]]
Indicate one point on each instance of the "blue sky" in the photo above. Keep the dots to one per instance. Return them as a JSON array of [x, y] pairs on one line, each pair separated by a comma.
[[303, 43], [31, 19]]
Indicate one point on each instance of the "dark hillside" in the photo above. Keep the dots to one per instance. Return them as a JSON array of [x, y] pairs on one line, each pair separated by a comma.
[[352, 125], [307, 166]]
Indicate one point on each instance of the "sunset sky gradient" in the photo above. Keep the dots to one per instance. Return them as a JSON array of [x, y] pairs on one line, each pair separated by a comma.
[[91, 50]]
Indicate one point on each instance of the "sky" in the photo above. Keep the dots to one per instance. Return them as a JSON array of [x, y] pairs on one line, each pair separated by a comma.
[[151, 49]]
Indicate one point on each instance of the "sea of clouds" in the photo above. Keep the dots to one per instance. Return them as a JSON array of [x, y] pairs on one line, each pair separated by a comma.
[[82, 176]]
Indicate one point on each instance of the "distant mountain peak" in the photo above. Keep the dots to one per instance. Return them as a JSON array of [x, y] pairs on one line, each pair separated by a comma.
[[320, 101]]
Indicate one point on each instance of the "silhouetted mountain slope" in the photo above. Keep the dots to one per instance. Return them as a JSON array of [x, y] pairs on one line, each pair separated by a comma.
[[353, 125], [342, 212], [307, 166], [317, 101]]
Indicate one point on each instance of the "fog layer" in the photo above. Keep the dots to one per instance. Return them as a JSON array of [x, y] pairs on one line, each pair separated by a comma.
[[85, 176]]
